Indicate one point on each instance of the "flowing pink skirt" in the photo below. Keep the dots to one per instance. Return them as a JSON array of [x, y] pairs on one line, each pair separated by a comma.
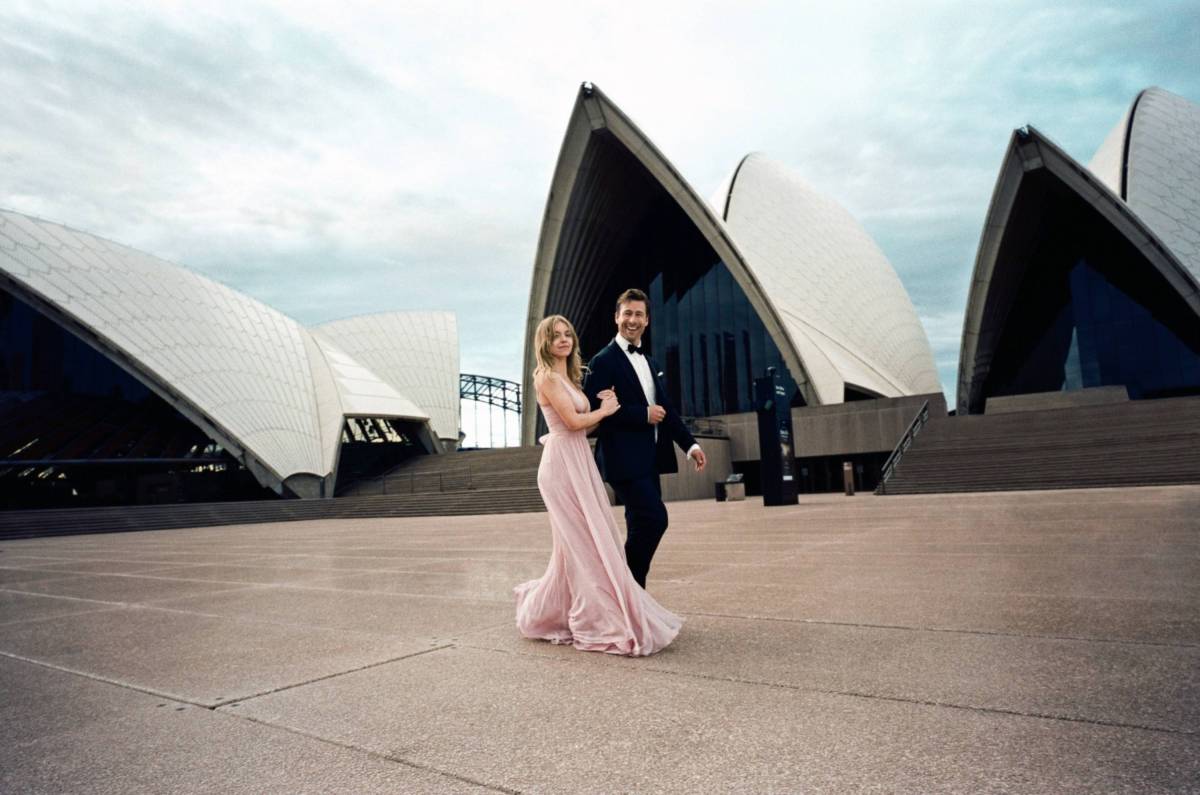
[[587, 597]]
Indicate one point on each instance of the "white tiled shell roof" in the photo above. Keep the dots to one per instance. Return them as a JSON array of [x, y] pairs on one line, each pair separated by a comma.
[[415, 352], [260, 380], [360, 391], [1157, 146], [1109, 160], [1163, 178], [840, 298], [238, 361]]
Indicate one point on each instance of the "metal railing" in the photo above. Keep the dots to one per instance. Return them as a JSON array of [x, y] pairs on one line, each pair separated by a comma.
[[889, 466]]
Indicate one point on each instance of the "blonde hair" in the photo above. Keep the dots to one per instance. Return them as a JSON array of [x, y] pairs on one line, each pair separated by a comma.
[[544, 336]]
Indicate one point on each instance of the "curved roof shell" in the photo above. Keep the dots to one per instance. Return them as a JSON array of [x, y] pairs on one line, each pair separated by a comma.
[[993, 286], [416, 353], [1151, 159], [563, 256], [252, 378], [838, 295]]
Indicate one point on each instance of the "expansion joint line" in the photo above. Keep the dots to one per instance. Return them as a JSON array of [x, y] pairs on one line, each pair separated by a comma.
[[175, 697], [379, 755], [235, 701]]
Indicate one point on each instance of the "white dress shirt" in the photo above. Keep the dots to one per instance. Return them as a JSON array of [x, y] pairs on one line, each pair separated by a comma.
[[641, 366]]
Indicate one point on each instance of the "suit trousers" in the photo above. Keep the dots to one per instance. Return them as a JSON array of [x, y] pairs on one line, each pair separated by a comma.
[[645, 522]]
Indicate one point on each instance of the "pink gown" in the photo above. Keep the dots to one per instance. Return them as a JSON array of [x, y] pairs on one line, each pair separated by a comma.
[[587, 597]]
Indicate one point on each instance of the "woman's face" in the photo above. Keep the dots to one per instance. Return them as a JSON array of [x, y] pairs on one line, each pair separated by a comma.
[[561, 341]]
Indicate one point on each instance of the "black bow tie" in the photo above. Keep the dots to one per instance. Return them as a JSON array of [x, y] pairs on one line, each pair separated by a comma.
[[633, 348]]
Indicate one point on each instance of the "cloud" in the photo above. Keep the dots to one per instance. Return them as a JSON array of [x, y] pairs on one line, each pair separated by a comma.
[[393, 156]]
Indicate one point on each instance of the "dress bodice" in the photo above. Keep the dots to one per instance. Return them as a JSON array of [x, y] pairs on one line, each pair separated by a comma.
[[554, 422]]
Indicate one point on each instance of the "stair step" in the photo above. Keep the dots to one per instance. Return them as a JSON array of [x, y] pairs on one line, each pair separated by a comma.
[[1126, 444], [71, 521]]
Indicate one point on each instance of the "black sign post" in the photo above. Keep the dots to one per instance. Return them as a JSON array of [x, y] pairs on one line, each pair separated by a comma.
[[775, 443]]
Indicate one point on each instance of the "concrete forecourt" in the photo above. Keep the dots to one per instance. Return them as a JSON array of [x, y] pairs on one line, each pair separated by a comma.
[[1019, 641]]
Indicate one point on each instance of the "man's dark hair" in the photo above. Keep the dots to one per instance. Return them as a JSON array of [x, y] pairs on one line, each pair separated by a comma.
[[633, 294]]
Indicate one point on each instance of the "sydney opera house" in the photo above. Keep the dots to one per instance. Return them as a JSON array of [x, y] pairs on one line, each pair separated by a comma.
[[126, 379]]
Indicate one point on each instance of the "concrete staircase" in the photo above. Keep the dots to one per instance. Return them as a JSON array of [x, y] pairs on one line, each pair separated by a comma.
[[502, 480], [502, 468], [1134, 443]]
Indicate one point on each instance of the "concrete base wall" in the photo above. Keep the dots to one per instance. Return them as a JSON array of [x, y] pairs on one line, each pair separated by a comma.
[[1042, 401], [688, 484], [861, 426]]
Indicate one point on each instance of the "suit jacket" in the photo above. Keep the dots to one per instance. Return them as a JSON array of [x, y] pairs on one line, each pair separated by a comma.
[[625, 443]]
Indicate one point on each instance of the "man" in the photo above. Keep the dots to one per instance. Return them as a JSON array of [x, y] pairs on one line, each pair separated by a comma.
[[633, 446]]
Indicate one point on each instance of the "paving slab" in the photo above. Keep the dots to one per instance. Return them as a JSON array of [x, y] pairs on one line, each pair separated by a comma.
[[493, 588], [533, 724], [12, 578], [431, 618], [1068, 576], [202, 659], [84, 565], [120, 588], [394, 556], [533, 565], [64, 733], [255, 573], [1134, 619], [1125, 684], [517, 570], [662, 571], [16, 606]]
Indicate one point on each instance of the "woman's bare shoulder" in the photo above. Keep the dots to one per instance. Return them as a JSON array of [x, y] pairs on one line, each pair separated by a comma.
[[543, 380]]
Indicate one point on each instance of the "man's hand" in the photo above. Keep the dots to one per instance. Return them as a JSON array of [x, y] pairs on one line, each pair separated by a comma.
[[655, 414], [697, 456]]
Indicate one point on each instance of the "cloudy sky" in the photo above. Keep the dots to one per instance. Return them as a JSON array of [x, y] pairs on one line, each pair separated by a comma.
[[335, 159]]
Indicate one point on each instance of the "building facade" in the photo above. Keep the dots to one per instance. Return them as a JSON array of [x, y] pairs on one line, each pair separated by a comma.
[[125, 378], [1090, 276]]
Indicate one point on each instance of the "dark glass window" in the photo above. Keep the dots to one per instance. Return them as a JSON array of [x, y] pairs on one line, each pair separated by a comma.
[[1116, 340], [1088, 308], [76, 429]]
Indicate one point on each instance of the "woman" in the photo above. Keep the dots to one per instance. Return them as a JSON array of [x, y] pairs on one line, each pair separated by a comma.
[[587, 597]]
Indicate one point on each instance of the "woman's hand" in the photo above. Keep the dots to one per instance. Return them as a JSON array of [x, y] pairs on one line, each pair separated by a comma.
[[608, 403], [605, 393]]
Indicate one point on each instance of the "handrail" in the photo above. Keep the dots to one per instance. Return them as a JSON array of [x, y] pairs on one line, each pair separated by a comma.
[[889, 466]]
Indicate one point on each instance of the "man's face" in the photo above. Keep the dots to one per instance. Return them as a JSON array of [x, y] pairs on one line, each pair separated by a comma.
[[632, 320]]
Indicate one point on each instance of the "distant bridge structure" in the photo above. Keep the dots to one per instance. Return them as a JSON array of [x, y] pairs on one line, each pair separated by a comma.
[[491, 393]]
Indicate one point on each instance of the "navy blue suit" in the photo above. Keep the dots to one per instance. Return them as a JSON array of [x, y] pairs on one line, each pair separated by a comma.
[[627, 454]]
